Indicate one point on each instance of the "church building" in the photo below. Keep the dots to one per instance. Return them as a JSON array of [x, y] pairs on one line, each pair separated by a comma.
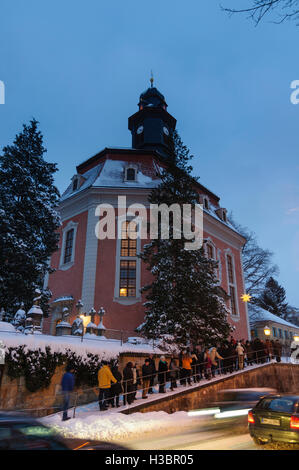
[[108, 273]]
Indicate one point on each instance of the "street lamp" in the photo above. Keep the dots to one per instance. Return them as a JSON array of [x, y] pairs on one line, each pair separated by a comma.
[[267, 331], [101, 327], [296, 338]]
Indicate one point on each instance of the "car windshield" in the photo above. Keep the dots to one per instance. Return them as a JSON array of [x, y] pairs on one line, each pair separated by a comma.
[[36, 430], [282, 404]]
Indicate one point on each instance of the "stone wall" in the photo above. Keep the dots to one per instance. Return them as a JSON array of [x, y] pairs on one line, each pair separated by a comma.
[[282, 377], [15, 396]]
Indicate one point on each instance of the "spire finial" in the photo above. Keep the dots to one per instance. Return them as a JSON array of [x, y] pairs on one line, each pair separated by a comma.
[[152, 79]]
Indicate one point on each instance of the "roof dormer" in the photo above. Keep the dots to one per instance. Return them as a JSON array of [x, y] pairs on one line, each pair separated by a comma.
[[222, 213], [131, 171]]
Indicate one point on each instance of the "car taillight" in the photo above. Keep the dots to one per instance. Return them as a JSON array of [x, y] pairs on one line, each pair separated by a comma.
[[250, 417], [294, 424]]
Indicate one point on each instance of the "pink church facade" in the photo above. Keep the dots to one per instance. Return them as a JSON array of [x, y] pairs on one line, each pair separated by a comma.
[[108, 273]]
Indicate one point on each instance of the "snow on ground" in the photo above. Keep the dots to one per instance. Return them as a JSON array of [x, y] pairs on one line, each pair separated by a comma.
[[90, 423], [112, 426], [106, 348]]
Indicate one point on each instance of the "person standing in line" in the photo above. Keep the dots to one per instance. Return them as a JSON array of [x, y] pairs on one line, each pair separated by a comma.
[[162, 374], [67, 385], [208, 364], [186, 367], [116, 388], [128, 383], [153, 373], [105, 378], [146, 376], [173, 373], [136, 380], [240, 352]]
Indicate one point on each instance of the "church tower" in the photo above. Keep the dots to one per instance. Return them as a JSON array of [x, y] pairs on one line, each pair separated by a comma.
[[152, 125]]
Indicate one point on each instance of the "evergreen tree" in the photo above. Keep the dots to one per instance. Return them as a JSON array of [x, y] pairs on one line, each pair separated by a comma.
[[183, 303], [273, 299], [28, 218]]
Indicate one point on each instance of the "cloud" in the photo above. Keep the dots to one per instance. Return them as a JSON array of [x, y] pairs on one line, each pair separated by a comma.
[[294, 209]]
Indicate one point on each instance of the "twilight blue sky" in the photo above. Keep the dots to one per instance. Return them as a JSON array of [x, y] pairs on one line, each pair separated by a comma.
[[79, 67]]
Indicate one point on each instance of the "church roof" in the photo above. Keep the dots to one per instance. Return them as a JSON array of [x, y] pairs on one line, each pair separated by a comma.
[[152, 97], [259, 314]]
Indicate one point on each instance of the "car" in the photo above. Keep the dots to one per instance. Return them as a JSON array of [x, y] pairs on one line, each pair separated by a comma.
[[229, 410], [19, 431], [275, 418]]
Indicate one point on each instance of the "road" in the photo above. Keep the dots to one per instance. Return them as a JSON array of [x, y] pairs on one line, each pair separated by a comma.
[[194, 441]]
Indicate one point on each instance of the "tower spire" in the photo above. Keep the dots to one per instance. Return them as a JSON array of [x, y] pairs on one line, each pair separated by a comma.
[[152, 79]]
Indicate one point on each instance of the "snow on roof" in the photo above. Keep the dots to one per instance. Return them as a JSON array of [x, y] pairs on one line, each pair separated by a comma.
[[90, 176], [112, 175], [109, 349], [63, 298], [259, 315]]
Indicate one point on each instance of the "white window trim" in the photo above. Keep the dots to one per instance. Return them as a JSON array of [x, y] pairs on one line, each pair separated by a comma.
[[64, 266], [216, 257], [131, 166], [229, 252], [117, 298]]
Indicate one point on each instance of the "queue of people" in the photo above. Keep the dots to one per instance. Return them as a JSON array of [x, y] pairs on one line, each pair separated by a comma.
[[190, 367]]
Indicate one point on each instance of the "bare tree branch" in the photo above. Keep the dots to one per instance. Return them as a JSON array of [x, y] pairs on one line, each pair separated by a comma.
[[285, 9]]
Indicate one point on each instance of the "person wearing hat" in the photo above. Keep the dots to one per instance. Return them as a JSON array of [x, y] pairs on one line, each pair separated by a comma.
[[146, 375]]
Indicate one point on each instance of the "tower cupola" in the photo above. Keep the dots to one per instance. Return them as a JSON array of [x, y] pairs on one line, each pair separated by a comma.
[[152, 125]]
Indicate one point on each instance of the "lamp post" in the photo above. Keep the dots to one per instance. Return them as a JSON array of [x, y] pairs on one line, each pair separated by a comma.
[[101, 327], [267, 331], [91, 328]]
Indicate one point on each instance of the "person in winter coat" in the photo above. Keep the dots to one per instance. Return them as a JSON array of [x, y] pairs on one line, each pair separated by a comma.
[[162, 374], [128, 383], [146, 376], [186, 367], [173, 374], [208, 364], [67, 385], [249, 353], [153, 373], [214, 355], [240, 352], [116, 388], [277, 350], [136, 379], [105, 378]]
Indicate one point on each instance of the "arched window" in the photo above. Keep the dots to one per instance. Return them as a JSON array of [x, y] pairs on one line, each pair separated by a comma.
[[131, 174]]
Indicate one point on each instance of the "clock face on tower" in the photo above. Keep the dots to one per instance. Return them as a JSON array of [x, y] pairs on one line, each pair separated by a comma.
[[140, 130], [165, 130]]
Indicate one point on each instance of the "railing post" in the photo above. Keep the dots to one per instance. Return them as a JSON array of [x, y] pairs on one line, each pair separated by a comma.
[[121, 337]]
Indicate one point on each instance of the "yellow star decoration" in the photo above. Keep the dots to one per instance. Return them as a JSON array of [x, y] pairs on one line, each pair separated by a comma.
[[246, 297]]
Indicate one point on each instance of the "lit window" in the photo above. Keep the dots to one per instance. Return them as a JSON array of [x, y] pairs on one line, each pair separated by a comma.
[[128, 244], [68, 246], [127, 282]]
